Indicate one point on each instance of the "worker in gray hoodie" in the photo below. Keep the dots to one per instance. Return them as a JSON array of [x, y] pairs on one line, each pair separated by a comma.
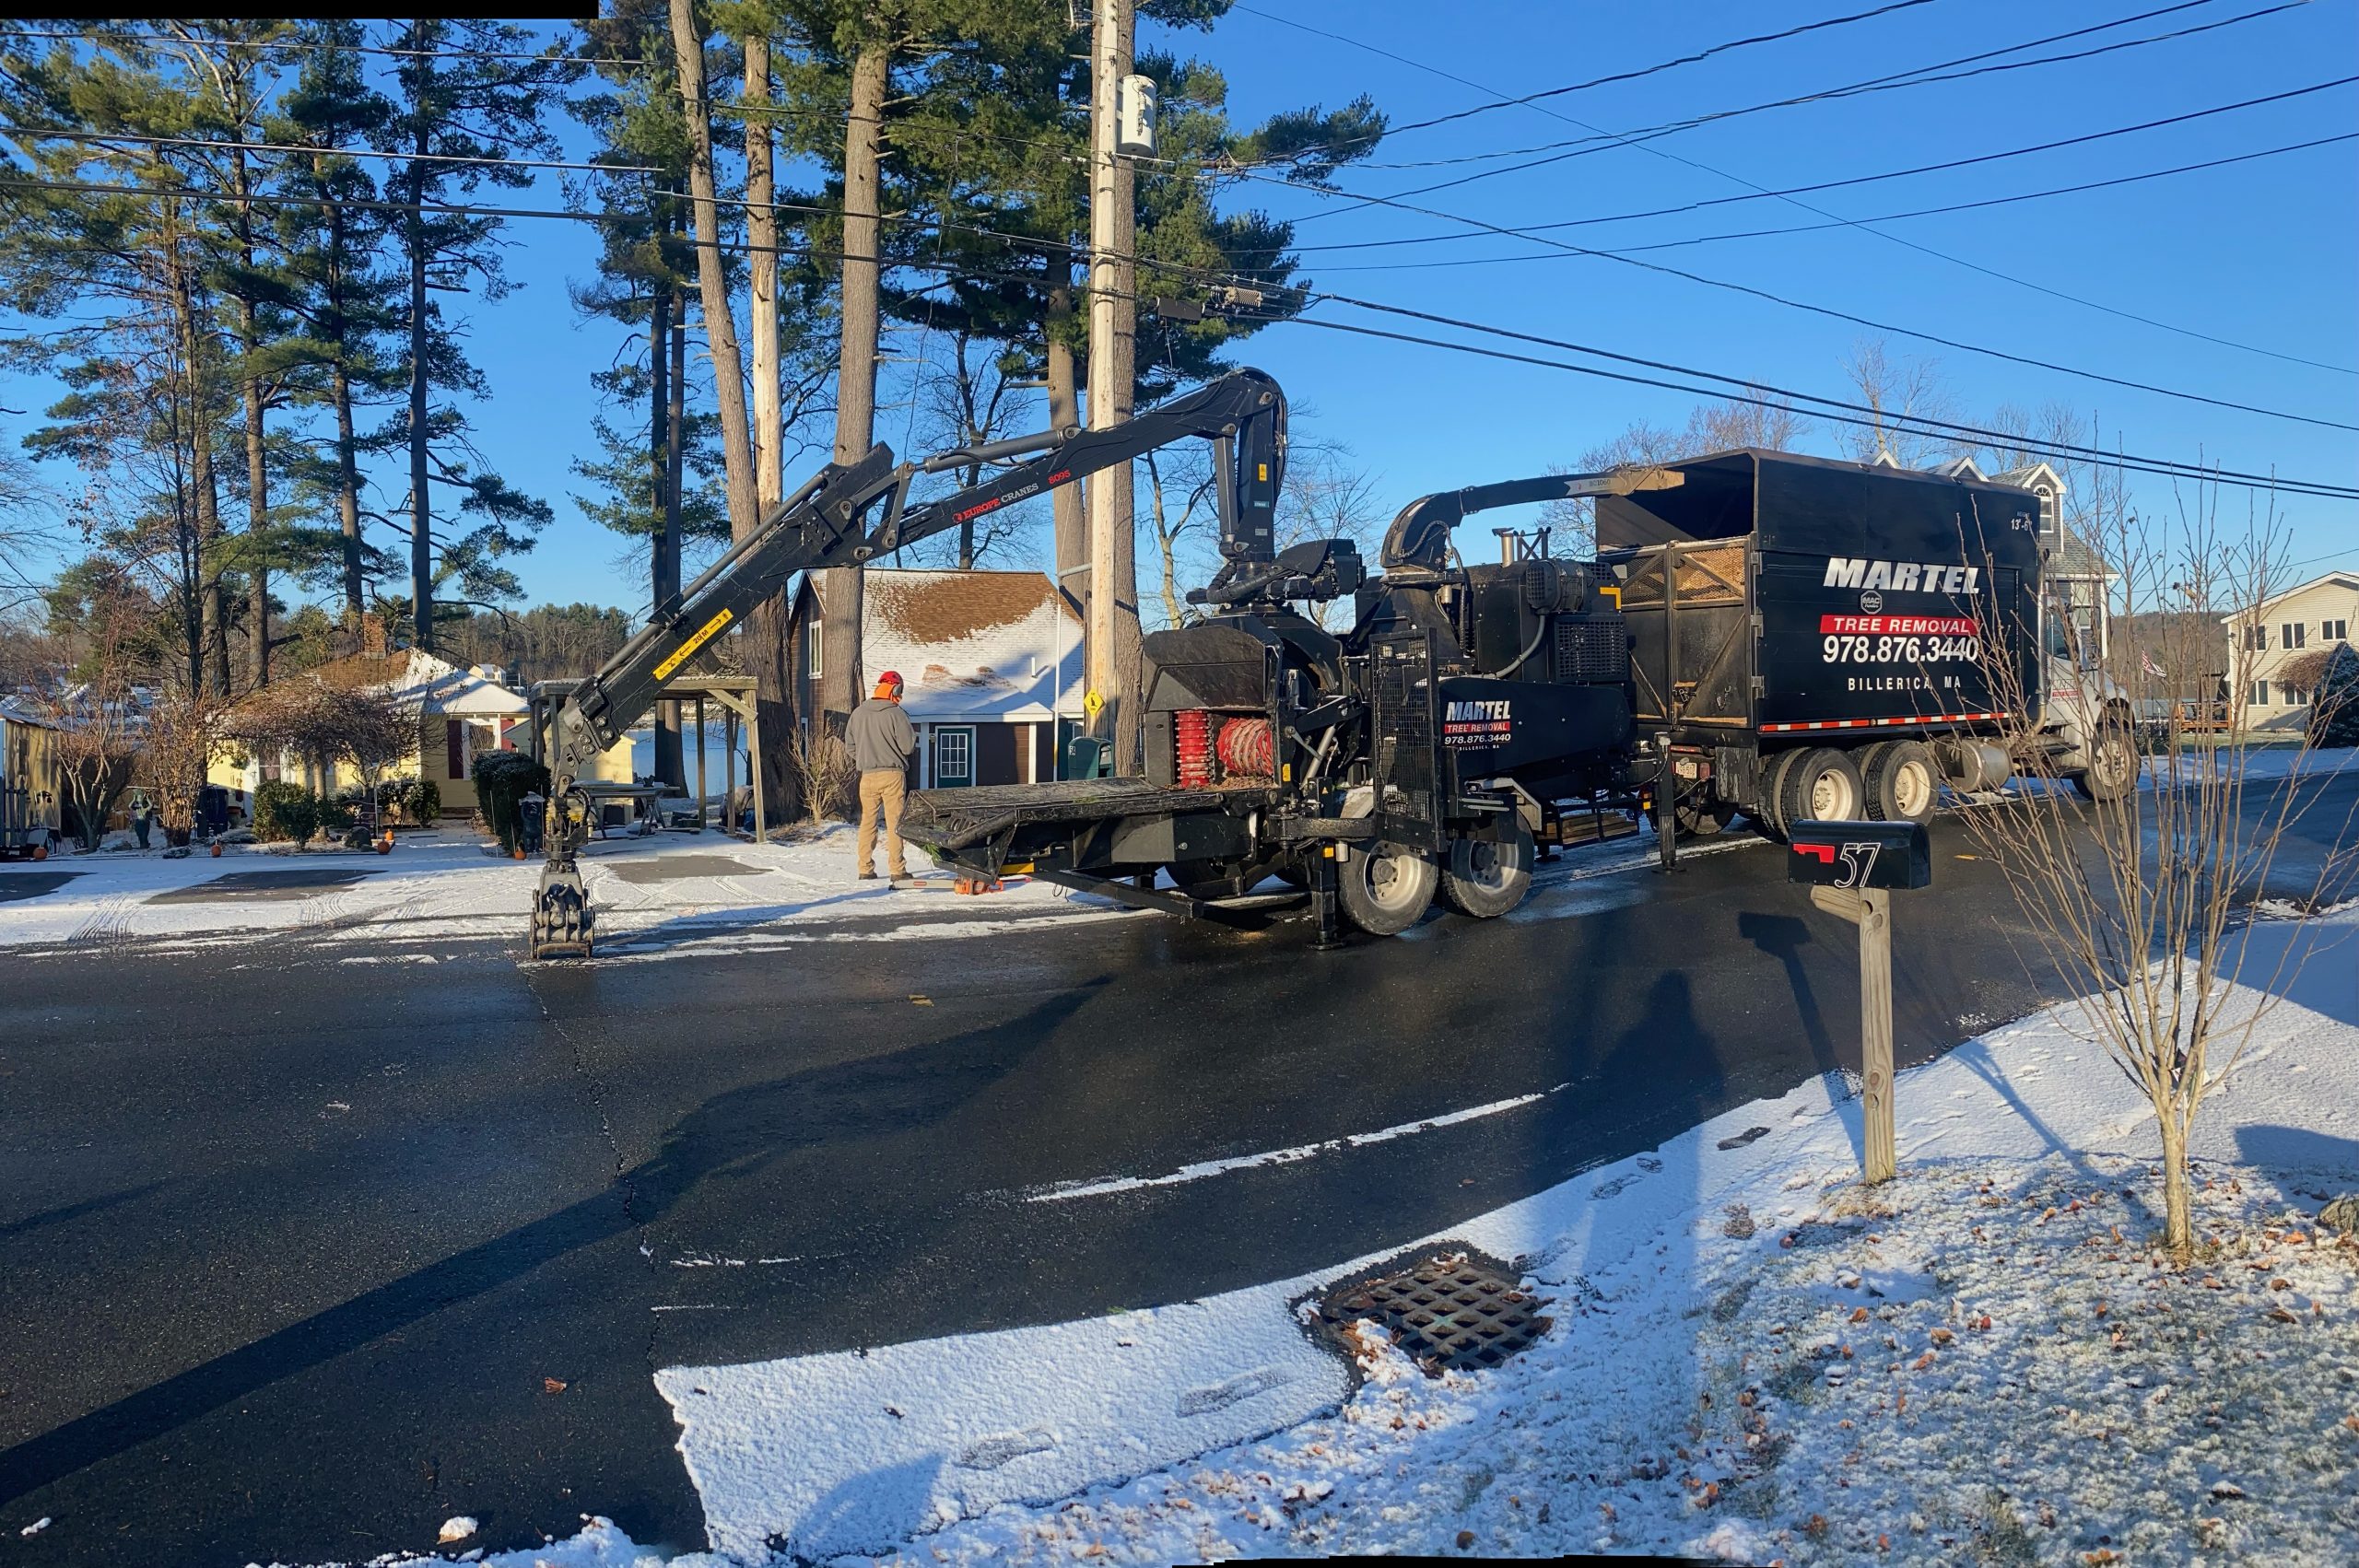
[[881, 743]]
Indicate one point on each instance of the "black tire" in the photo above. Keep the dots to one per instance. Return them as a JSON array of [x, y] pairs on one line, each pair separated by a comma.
[[1386, 888], [1903, 782], [1486, 878], [1820, 785], [1764, 814], [1203, 879], [1701, 817], [2113, 773]]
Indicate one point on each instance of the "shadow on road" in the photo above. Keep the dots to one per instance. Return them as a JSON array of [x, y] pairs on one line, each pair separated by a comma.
[[731, 1136]]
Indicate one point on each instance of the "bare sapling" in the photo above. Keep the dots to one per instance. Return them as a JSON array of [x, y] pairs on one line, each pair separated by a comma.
[[823, 765], [2137, 897]]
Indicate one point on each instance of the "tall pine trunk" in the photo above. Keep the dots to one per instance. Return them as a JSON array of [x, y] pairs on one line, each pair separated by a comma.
[[774, 694], [348, 492], [421, 510], [258, 551], [845, 590], [214, 616], [720, 326], [663, 357]]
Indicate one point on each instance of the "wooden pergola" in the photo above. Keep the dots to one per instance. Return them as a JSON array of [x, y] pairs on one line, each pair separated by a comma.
[[736, 695]]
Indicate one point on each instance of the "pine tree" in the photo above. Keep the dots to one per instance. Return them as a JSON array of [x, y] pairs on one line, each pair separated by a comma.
[[336, 239], [459, 115]]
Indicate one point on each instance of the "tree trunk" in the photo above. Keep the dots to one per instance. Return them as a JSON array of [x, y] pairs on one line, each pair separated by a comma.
[[666, 349], [712, 280], [347, 495], [2178, 1195], [422, 511], [207, 574], [257, 467], [773, 691], [844, 680], [1175, 613]]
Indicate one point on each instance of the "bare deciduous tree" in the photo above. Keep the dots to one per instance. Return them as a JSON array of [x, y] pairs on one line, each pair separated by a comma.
[[823, 765], [183, 728], [2135, 902], [1896, 391]]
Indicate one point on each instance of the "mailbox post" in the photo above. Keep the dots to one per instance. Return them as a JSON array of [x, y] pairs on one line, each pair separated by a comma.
[[1851, 868]]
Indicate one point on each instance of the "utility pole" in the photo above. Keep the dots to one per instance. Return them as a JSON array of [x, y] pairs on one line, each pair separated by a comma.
[[1113, 621]]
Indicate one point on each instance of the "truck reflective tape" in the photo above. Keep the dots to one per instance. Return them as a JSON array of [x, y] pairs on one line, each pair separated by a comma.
[[680, 655]]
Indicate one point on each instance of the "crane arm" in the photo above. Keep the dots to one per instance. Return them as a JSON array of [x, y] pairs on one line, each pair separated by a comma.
[[826, 523]]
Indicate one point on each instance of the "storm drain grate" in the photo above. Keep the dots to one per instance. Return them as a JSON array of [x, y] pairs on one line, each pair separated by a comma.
[[1448, 1313]]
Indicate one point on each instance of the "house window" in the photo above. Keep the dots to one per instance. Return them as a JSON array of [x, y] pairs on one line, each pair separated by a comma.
[[2256, 640], [2260, 694], [2334, 631], [954, 759], [811, 648], [2294, 633]]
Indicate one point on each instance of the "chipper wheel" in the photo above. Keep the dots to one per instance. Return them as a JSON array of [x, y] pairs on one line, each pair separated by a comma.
[[1385, 887], [560, 916], [1486, 878]]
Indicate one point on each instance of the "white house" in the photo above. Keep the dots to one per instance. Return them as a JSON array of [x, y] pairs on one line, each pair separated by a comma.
[[990, 662], [2317, 616]]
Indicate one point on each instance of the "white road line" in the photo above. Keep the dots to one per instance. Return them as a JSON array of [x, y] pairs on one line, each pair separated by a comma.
[[1058, 1192]]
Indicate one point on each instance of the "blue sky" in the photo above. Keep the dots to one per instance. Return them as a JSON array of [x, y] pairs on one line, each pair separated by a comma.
[[2259, 252]]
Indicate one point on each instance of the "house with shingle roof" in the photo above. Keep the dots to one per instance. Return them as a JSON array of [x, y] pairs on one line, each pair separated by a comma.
[[990, 662]]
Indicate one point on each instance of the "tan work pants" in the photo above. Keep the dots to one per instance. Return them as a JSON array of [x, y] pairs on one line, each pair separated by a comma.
[[881, 790]]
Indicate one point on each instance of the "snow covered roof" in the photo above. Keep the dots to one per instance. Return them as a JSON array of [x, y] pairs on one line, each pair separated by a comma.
[[435, 684], [21, 710], [973, 644]]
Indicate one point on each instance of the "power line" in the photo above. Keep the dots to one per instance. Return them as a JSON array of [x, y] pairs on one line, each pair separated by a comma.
[[2159, 325], [2014, 441], [1632, 75], [1601, 141], [305, 46], [299, 149], [1840, 223], [2143, 464], [1757, 195], [1830, 312]]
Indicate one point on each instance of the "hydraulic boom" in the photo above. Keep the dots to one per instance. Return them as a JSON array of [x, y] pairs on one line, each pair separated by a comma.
[[826, 522]]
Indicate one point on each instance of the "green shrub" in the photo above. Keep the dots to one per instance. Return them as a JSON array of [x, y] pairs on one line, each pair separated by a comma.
[[2334, 706], [502, 781], [334, 816], [299, 816], [422, 802], [273, 800]]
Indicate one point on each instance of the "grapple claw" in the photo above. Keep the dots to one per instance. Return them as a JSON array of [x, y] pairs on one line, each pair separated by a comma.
[[561, 925]]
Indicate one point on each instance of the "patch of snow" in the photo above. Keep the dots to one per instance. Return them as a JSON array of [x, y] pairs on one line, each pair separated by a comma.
[[459, 1526], [1751, 1357]]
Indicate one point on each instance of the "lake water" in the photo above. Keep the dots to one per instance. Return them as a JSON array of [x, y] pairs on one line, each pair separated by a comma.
[[643, 756]]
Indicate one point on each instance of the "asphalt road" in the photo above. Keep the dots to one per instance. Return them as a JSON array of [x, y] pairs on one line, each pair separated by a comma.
[[299, 1256]]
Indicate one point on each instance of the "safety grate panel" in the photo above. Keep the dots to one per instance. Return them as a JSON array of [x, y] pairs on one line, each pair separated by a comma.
[[1592, 649], [1448, 1313]]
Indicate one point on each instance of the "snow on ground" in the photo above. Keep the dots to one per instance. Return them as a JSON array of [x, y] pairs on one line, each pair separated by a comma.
[[649, 893], [1750, 1357]]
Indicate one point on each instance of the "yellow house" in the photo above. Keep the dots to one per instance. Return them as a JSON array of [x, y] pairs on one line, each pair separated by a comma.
[[29, 759], [462, 712]]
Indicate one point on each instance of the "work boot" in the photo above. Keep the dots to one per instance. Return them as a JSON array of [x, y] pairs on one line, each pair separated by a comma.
[[866, 876]]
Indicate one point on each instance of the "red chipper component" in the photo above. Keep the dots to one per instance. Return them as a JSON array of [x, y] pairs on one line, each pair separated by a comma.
[[1245, 749], [1192, 733]]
